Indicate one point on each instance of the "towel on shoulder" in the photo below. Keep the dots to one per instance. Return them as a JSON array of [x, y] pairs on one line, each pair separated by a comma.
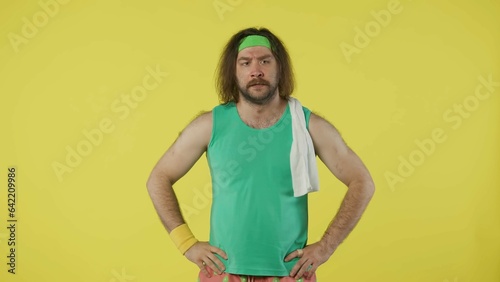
[[302, 156]]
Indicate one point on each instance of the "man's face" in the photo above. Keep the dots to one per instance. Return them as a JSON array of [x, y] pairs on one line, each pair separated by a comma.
[[256, 74]]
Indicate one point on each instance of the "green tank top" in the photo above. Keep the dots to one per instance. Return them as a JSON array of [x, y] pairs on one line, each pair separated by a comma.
[[254, 218]]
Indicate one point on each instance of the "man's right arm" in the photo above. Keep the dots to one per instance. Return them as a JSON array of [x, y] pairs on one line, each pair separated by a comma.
[[175, 163]]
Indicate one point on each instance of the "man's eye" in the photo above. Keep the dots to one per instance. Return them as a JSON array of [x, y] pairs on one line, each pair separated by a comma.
[[244, 63], [265, 61]]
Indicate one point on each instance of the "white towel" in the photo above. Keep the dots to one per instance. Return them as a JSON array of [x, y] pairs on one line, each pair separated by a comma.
[[302, 157]]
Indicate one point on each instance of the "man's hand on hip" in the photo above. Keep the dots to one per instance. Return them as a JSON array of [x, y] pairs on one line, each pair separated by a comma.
[[202, 254], [311, 257]]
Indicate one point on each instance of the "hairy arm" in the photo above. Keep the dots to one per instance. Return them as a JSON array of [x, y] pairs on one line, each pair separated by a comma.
[[175, 163], [350, 170]]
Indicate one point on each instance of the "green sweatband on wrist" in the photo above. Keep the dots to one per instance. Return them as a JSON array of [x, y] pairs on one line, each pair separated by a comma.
[[183, 238]]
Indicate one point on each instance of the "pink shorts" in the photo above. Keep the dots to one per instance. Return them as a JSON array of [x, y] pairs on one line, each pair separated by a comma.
[[226, 277]]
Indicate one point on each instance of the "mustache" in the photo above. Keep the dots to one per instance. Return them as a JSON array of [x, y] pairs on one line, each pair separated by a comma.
[[257, 81]]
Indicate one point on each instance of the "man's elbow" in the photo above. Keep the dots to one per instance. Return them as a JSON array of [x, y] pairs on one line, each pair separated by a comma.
[[364, 186], [369, 187], [149, 182], [158, 180], [153, 181]]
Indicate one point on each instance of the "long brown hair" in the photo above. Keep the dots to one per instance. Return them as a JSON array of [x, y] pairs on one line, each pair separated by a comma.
[[226, 83]]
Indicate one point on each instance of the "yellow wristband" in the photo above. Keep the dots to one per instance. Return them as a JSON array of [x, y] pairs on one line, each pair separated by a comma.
[[183, 238]]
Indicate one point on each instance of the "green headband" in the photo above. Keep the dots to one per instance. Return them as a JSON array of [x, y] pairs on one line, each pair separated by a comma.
[[254, 40]]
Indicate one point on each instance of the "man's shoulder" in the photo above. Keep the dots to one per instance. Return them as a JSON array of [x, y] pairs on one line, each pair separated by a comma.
[[199, 129], [314, 117], [319, 123], [203, 118]]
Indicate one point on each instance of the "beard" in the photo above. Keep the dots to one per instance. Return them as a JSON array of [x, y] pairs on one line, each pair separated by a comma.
[[258, 99]]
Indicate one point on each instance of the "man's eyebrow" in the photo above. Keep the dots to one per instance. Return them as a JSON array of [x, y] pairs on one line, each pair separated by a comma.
[[259, 58]]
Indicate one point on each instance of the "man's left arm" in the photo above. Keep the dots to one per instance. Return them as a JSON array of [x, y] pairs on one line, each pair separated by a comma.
[[350, 170]]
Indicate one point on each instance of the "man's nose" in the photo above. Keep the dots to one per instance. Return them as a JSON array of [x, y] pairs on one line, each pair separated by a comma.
[[256, 71]]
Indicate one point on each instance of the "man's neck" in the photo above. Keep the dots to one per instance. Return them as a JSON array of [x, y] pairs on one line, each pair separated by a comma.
[[261, 116]]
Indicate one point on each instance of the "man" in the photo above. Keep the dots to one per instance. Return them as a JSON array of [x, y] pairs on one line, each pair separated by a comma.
[[258, 228]]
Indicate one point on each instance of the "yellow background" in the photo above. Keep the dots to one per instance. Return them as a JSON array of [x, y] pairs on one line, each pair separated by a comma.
[[440, 223]]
